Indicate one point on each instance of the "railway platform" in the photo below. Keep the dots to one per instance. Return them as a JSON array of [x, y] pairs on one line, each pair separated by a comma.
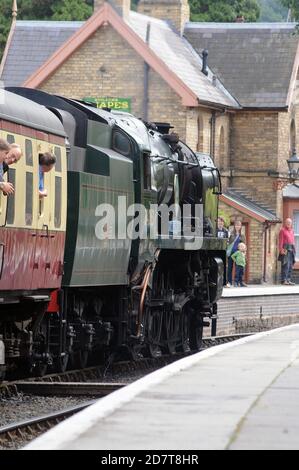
[[257, 308], [241, 395]]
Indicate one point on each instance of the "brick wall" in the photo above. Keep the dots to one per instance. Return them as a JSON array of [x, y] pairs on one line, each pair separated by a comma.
[[80, 77], [254, 152], [175, 11], [255, 245], [253, 314]]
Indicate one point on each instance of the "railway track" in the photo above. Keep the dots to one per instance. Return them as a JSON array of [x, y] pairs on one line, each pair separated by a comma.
[[97, 373], [74, 383], [66, 389], [29, 429]]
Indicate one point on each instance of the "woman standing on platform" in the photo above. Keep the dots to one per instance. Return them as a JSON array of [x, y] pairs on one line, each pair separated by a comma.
[[235, 238]]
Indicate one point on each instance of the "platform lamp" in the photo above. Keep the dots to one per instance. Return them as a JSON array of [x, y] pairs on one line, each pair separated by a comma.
[[293, 164]]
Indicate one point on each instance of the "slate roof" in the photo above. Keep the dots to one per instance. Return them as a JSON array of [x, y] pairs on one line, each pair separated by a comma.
[[33, 42], [253, 60], [248, 203], [181, 58], [291, 191]]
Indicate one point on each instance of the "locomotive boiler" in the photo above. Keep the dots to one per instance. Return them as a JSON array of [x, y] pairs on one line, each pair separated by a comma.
[[76, 285]]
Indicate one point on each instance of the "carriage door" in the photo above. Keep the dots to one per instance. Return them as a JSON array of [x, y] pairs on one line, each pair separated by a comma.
[[57, 226], [43, 213]]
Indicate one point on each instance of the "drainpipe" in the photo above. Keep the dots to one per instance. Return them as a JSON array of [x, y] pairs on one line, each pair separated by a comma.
[[266, 228], [212, 134], [146, 78]]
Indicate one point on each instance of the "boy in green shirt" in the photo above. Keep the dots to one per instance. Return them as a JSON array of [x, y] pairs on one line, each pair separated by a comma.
[[239, 258]]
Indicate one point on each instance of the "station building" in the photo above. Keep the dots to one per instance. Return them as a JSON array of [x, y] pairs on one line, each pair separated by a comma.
[[238, 102]]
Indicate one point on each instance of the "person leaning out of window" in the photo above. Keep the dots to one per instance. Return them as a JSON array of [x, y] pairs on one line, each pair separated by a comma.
[[6, 188], [46, 163], [236, 237], [12, 156]]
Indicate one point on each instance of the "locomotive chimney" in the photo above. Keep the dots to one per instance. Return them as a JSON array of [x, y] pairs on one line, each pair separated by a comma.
[[205, 55], [121, 6]]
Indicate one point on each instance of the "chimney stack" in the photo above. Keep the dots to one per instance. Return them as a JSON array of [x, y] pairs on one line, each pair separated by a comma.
[[177, 12], [240, 19], [121, 6]]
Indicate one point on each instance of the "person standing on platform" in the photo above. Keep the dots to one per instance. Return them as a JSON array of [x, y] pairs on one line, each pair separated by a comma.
[[287, 252], [239, 257], [235, 238], [222, 232]]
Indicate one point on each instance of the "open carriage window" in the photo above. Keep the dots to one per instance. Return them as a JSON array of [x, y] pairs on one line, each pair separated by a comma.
[[11, 199]]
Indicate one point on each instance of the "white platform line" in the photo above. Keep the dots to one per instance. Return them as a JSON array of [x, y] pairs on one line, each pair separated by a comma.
[[62, 435]]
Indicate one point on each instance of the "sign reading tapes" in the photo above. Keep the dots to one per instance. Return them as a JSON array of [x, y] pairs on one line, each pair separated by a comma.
[[119, 104]]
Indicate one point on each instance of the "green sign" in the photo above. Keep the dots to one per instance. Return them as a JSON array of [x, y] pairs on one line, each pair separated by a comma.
[[119, 104]]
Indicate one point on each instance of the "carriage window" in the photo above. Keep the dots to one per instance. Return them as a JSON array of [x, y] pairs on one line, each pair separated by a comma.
[[11, 199], [28, 152], [57, 152], [57, 216], [10, 139], [29, 198], [121, 143]]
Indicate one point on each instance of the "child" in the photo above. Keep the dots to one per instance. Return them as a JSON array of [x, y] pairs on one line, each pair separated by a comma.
[[239, 257]]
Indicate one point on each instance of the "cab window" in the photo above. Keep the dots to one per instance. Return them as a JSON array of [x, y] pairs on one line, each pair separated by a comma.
[[121, 143]]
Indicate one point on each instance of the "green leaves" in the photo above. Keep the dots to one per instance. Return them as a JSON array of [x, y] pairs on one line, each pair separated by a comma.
[[70, 10], [224, 10], [294, 6], [67, 10]]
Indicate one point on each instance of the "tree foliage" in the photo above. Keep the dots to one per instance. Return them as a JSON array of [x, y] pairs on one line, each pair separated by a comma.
[[201, 10], [224, 10], [42, 10], [272, 11], [294, 6]]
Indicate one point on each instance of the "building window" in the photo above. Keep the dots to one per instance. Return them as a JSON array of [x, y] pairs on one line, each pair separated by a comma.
[[200, 134], [296, 230], [222, 148], [293, 137]]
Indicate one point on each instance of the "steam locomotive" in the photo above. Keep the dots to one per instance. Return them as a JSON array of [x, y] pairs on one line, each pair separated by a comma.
[[68, 295]]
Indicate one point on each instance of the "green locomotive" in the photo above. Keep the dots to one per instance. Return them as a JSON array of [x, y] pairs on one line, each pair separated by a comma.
[[134, 280]]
